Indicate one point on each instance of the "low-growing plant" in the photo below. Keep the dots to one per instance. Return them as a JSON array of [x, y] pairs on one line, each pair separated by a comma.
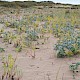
[[69, 44], [67, 48], [74, 68], [1, 31], [32, 35], [2, 49], [33, 47], [10, 69], [8, 37], [7, 24], [18, 48]]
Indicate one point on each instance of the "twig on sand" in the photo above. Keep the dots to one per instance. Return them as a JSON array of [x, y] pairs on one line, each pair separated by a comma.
[[48, 77], [58, 72], [63, 76]]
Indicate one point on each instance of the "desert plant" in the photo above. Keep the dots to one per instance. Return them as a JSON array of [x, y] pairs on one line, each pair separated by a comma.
[[8, 37], [67, 48], [69, 44], [10, 69], [32, 35], [2, 49], [17, 44], [1, 32], [74, 68], [7, 24], [18, 48]]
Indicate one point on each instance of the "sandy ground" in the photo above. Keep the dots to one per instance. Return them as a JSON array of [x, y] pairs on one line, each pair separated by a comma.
[[45, 66]]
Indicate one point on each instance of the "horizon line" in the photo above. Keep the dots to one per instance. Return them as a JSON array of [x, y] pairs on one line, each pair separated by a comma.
[[40, 1]]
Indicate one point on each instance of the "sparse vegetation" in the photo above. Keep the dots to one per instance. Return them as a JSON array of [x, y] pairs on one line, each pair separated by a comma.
[[36, 31], [10, 69]]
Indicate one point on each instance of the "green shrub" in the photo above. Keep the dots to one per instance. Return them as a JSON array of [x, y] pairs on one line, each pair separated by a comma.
[[69, 44], [32, 35]]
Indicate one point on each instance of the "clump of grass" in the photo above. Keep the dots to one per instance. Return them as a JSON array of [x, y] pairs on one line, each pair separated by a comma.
[[10, 69]]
